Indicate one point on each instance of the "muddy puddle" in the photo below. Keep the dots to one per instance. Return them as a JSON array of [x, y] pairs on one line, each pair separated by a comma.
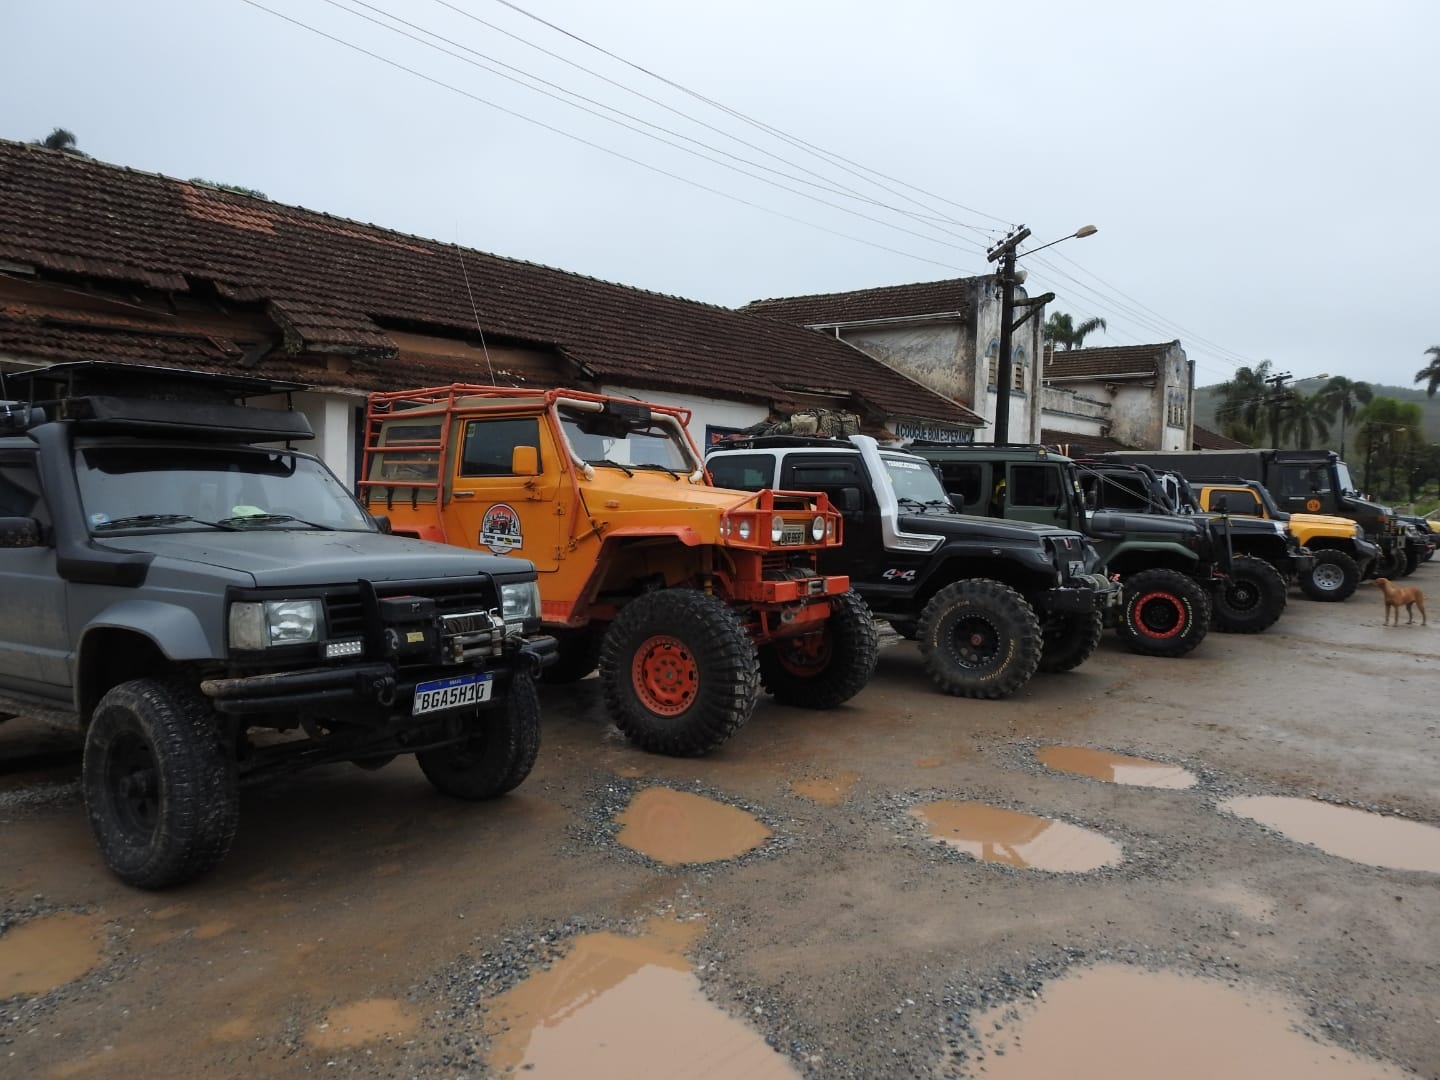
[[1358, 835], [620, 1007], [993, 834], [45, 953], [363, 1022], [1118, 1023], [676, 827], [1114, 768], [826, 790]]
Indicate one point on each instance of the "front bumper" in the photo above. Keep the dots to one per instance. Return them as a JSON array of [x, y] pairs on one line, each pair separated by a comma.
[[1365, 554], [381, 687], [1085, 592]]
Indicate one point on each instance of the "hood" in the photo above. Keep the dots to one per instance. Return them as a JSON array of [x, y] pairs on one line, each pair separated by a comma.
[[1329, 521], [1120, 521], [971, 525], [648, 491], [282, 557]]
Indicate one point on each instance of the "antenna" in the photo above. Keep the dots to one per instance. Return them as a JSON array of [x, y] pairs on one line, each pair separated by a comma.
[[460, 254]]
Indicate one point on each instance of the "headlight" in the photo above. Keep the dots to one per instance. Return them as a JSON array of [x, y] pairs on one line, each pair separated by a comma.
[[744, 529], [256, 625], [817, 528], [777, 529], [520, 600], [725, 528]]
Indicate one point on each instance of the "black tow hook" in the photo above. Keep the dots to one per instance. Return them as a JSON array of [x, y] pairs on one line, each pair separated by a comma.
[[381, 688]]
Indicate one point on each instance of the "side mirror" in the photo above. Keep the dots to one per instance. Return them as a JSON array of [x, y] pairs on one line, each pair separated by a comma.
[[382, 522], [1220, 504], [957, 503], [850, 500], [20, 532], [525, 461]]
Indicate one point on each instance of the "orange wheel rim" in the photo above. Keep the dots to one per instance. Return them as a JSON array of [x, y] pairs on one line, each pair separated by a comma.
[[804, 655], [665, 675]]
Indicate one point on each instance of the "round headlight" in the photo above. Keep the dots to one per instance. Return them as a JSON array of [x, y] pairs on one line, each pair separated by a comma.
[[744, 529], [725, 528], [817, 528], [777, 530]]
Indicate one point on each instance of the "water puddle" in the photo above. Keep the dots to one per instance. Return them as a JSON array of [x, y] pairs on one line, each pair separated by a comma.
[[992, 834], [676, 827], [621, 1007], [1358, 835], [39, 955], [1117, 1023], [827, 791], [362, 1022], [1114, 768]]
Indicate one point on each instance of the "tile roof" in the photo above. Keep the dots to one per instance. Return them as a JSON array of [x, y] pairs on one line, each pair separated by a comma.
[[1074, 444], [334, 285], [950, 296], [1205, 439], [1103, 363]]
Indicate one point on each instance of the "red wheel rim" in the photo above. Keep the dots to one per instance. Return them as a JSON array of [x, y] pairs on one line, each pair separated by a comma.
[[665, 675], [1147, 623], [804, 655]]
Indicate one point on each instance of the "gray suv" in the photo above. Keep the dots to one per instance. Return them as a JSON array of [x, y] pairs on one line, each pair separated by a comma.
[[214, 609]]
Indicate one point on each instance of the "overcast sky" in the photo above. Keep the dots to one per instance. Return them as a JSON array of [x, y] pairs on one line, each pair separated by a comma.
[[1263, 174]]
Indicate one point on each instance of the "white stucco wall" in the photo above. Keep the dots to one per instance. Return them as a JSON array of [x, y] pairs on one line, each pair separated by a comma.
[[1063, 409], [932, 353]]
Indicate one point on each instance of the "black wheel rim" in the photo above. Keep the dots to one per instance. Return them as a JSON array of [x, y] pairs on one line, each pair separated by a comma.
[[1243, 596], [1160, 615], [133, 780], [974, 642]]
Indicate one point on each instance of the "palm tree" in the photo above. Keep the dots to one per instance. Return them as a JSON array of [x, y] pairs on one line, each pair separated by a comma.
[[1431, 373], [1345, 398], [1243, 400], [1060, 329], [1306, 418], [62, 140]]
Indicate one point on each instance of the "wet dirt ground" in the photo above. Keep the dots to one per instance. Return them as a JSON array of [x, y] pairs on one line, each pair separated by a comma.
[[839, 923]]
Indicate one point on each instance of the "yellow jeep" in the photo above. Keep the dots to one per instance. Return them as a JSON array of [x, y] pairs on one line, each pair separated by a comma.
[[686, 596], [1343, 557]]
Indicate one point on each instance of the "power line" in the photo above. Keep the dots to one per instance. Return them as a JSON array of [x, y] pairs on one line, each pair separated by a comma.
[[594, 145]]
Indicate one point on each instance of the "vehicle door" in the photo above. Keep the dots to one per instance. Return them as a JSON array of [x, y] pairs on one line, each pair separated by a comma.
[[844, 480], [34, 634], [1306, 488], [1036, 492], [494, 509]]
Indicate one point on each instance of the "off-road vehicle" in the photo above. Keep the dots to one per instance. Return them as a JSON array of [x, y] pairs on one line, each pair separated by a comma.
[[1343, 557], [687, 596], [1170, 565], [991, 602], [1304, 481], [216, 612]]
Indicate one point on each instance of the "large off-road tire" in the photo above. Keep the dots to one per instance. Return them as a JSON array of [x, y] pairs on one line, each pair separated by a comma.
[[679, 672], [1068, 639], [1334, 577], [579, 656], [1251, 597], [979, 639], [498, 753], [160, 783], [1389, 566], [1166, 613], [1412, 561], [821, 670]]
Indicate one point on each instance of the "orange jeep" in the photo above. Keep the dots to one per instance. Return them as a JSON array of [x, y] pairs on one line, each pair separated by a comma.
[[688, 597]]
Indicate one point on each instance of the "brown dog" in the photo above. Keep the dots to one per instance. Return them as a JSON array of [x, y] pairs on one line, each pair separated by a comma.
[[1395, 595]]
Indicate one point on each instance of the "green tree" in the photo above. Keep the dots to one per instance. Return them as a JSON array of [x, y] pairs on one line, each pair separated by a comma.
[[1244, 403], [238, 189], [1343, 399], [1305, 418], [1387, 431], [62, 140], [1430, 374], [1061, 331]]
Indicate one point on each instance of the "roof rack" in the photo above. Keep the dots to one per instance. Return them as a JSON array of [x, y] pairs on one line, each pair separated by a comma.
[[762, 442]]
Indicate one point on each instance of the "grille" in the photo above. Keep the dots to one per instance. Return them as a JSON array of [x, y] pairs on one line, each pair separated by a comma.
[[346, 615]]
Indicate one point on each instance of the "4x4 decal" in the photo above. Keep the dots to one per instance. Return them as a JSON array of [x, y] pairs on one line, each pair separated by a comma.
[[898, 575]]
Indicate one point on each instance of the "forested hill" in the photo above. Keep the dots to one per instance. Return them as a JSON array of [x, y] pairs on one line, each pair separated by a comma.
[[1207, 398]]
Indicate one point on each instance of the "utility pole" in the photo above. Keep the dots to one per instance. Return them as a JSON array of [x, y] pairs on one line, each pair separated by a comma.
[[1008, 277]]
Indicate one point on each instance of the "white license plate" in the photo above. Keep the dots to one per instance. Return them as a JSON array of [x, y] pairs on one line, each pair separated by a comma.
[[1076, 568], [453, 693]]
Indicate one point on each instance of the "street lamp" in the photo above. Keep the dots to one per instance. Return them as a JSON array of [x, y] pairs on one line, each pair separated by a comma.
[[1005, 252]]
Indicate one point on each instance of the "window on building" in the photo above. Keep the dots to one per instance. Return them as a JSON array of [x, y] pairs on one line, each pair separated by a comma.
[[1175, 408], [490, 445]]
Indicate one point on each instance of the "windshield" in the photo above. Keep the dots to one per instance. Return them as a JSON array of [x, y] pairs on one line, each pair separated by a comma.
[[916, 482], [602, 438], [229, 487]]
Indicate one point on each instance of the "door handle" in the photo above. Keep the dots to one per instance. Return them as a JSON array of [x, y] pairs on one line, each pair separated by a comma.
[[462, 495]]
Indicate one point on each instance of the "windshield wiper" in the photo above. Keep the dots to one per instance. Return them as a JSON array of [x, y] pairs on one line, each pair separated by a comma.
[[906, 499], [613, 464], [270, 519], [138, 520], [662, 468]]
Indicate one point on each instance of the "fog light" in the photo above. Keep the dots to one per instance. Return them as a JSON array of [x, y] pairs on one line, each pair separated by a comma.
[[337, 650]]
